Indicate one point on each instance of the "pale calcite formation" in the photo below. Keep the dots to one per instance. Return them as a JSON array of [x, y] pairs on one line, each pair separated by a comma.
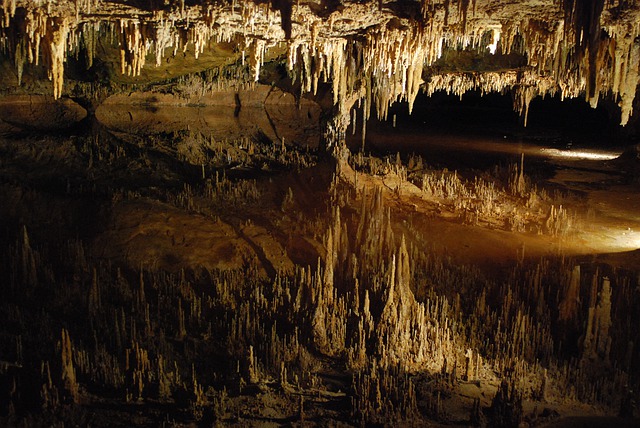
[[374, 53]]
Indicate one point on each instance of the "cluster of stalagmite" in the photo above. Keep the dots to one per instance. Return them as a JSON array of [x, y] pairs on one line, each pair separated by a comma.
[[368, 51]]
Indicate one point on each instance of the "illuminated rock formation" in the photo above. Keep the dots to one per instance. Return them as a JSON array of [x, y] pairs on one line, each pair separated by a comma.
[[375, 53]]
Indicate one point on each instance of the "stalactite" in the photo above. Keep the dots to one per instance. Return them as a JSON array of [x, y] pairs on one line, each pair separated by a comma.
[[133, 50], [90, 34], [386, 64], [258, 47], [626, 74], [584, 19], [56, 55], [20, 60]]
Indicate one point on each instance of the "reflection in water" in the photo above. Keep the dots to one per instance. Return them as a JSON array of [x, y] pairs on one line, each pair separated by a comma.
[[38, 112], [299, 124], [612, 213], [424, 248], [442, 146], [219, 122], [625, 239], [580, 154]]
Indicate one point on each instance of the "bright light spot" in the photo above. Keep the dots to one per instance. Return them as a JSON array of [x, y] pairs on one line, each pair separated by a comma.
[[496, 38], [606, 239], [581, 154], [624, 239], [440, 45]]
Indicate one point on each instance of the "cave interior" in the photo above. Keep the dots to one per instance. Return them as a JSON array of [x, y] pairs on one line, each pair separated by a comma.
[[320, 213]]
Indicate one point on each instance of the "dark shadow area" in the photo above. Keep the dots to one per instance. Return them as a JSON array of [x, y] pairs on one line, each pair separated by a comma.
[[551, 119]]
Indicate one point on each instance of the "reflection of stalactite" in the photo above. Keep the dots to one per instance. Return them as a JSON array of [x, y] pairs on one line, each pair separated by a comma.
[[68, 370], [597, 342], [329, 317], [411, 334], [568, 309], [20, 59]]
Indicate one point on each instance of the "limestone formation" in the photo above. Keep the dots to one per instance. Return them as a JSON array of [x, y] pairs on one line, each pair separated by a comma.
[[245, 278], [372, 53]]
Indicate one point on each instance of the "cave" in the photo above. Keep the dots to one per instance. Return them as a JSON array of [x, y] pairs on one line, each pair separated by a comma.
[[320, 213]]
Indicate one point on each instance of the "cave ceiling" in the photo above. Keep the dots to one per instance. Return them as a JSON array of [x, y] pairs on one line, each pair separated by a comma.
[[373, 53]]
